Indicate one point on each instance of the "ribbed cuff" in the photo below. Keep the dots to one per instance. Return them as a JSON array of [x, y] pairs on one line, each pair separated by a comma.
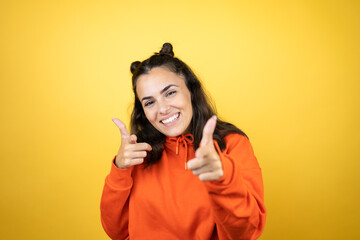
[[119, 177]]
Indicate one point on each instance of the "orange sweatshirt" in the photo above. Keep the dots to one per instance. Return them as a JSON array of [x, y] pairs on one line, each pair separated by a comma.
[[166, 201]]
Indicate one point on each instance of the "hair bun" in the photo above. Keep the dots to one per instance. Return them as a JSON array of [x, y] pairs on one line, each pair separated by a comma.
[[134, 66], [167, 49]]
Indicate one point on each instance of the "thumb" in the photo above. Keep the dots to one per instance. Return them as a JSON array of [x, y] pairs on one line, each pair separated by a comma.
[[208, 131], [123, 131], [132, 139]]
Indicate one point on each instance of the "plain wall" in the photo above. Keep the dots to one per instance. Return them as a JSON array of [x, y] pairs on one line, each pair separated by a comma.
[[285, 72]]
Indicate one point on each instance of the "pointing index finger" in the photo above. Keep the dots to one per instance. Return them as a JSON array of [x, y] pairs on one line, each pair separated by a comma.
[[194, 164], [143, 146]]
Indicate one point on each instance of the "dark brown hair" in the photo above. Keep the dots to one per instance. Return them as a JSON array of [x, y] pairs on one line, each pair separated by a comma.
[[202, 108]]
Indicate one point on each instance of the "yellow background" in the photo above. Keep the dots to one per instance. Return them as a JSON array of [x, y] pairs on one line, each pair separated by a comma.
[[285, 72]]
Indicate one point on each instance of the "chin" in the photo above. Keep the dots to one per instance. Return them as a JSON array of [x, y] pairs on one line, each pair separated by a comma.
[[173, 133]]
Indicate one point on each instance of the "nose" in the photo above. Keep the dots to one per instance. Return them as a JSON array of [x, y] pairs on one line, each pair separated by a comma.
[[163, 107]]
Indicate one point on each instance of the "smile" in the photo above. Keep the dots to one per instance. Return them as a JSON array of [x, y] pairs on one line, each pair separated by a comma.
[[170, 119]]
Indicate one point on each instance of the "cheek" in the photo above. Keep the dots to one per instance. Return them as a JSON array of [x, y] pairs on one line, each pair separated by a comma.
[[183, 101], [188, 103], [150, 115]]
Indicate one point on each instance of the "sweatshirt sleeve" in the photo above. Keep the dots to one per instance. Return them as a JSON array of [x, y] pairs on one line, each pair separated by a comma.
[[238, 196], [114, 205]]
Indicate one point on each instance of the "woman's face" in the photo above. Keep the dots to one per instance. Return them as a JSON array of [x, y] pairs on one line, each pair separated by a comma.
[[166, 101]]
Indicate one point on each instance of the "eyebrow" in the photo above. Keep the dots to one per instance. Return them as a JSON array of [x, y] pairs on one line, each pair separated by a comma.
[[162, 91]]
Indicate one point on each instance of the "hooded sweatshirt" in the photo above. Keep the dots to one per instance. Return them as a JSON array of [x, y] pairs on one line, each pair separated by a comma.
[[166, 201]]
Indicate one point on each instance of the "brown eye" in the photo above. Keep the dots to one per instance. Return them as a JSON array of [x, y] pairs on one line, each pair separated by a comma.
[[148, 103], [170, 93]]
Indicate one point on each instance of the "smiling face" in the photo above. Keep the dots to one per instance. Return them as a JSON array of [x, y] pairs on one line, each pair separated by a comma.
[[166, 101]]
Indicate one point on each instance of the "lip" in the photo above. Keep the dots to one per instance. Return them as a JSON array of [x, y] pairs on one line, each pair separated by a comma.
[[171, 123]]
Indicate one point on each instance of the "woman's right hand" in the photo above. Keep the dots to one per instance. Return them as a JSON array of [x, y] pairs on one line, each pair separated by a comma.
[[130, 152]]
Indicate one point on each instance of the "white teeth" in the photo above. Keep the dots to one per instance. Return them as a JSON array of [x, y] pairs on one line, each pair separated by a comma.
[[170, 119]]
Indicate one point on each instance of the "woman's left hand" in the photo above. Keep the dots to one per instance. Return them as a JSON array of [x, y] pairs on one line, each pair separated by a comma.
[[207, 164]]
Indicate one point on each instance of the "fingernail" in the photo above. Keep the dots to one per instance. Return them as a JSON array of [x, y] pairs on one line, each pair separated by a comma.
[[214, 117]]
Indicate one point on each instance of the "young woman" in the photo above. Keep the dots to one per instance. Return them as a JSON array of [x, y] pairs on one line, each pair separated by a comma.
[[180, 173]]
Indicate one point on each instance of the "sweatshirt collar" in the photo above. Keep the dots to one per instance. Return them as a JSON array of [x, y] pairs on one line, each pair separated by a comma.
[[186, 140]]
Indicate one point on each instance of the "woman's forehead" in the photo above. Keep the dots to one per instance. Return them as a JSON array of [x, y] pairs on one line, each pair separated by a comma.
[[156, 80]]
